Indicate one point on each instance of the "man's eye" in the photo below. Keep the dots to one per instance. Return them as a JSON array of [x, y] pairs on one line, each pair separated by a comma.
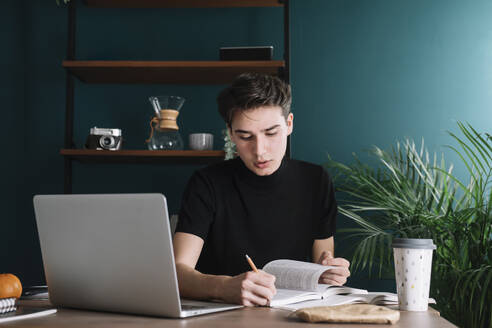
[[245, 138], [271, 134]]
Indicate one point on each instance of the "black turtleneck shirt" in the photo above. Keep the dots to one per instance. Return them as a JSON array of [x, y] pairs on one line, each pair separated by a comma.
[[237, 212]]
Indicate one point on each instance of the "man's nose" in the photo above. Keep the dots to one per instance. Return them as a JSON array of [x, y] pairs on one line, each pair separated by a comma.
[[260, 146]]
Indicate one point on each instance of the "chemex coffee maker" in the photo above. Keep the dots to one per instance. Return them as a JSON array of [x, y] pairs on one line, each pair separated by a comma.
[[164, 130]]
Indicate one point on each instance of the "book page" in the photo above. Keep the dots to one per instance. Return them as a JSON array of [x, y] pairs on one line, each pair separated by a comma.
[[382, 298], [330, 301], [297, 275], [286, 296], [328, 290], [378, 298], [23, 312]]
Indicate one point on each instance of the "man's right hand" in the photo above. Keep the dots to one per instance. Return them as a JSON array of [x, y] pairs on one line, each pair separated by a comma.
[[249, 288]]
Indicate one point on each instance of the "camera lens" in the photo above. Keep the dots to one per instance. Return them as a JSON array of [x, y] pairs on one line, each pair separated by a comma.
[[107, 142]]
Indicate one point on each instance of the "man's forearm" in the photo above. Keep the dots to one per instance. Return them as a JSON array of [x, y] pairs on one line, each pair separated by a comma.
[[322, 245], [196, 285]]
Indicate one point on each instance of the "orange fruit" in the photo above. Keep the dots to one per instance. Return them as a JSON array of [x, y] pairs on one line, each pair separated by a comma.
[[10, 286]]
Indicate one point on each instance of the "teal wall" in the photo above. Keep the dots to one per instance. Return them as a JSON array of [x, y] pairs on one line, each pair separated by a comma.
[[12, 94], [363, 73], [372, 72]]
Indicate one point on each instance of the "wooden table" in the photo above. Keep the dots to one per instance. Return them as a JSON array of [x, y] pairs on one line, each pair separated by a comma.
[[246, 317]]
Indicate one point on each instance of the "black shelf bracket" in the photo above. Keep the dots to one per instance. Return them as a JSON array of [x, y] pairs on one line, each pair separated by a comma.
[[69, 97], [285, 71]]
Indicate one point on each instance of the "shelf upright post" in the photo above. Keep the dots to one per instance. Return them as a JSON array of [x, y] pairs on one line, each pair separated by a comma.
[[285, 71], [69, 100]]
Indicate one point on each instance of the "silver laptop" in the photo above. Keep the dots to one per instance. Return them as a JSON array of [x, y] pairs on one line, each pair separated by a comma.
[[112, 253]]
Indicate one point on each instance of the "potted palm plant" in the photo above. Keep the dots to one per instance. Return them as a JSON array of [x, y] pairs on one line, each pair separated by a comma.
[[413, 195]]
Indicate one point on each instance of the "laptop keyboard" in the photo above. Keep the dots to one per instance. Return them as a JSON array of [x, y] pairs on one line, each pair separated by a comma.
[[188, 307]]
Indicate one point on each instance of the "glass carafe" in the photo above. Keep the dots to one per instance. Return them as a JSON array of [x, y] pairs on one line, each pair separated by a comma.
[[164, 134]]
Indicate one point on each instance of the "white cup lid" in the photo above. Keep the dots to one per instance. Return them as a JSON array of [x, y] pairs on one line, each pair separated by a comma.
[[413, 243]]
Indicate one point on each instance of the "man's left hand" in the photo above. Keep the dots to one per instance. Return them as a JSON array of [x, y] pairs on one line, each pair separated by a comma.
[[337, 276]]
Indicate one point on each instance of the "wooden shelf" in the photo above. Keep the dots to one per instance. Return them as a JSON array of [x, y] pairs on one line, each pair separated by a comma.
[[145, 156], [182, 3], [167, 72]]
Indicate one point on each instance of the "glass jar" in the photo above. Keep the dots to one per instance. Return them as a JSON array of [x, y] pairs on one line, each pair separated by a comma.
[[164, 134], [165, 140]]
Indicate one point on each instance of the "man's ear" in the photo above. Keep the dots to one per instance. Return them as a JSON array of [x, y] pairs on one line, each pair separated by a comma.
[[229, 130], [290, 123]]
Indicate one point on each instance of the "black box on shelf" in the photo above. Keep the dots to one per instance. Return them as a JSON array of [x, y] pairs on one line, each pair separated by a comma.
[[246, 53]]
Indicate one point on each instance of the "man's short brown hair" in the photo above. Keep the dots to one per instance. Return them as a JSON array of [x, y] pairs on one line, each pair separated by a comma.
[[252, 90]]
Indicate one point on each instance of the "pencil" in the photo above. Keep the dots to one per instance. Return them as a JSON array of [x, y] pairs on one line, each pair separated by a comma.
[[251, 264]]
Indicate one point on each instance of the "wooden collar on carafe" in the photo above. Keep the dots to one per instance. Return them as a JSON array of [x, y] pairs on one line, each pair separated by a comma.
[[167, 120]]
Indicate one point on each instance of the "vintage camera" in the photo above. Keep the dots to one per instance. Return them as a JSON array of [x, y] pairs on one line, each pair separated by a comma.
[[107, 139]]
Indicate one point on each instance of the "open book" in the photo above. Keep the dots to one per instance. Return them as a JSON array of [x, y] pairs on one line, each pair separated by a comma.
[[376, 298], [297, 281]]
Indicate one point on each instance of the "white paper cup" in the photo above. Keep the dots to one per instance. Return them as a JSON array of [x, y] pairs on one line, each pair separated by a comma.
[[201, 141], [413, 266]]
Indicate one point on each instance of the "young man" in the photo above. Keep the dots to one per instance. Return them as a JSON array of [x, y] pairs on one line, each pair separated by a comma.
[[260, 204]]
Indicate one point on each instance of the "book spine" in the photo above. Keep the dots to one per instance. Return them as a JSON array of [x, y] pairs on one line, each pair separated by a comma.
[[7, 305]]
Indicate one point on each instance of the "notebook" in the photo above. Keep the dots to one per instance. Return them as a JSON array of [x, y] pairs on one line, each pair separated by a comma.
[[10, 311], [23, 312], [112, 253], [7, 305]]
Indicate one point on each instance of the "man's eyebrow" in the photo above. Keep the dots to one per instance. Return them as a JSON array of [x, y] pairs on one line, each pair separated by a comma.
[[264, 130], [271, 128]]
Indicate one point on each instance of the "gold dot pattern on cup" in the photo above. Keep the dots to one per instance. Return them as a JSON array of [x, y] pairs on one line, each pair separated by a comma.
[[411, 288]]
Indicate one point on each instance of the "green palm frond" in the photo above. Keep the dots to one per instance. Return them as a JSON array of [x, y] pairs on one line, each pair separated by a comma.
[[413, 194]]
